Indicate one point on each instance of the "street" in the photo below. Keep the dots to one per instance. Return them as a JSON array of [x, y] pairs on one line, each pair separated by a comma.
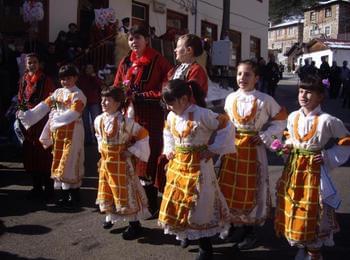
[[34, 230]]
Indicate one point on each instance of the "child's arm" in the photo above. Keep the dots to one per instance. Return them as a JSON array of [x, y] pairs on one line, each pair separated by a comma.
[[169, 142], [98, 135], [277, 124], [72, 114], [140, 148], [32, 116], [224, 140], [339, 153]]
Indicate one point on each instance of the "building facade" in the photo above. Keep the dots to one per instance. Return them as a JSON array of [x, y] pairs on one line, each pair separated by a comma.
[[329, 19], [281, 37], [248, 28]]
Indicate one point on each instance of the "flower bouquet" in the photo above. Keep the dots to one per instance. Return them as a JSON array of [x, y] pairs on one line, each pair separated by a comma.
[[277, 146]]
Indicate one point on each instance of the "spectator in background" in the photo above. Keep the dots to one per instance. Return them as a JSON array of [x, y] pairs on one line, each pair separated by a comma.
[[345, 77], [34, 45], [273, 76], [313, 69], [74, 41], [52, 62], [61, 46], [281, 70], [262, 83], [304, 70], [324, 70], [334, 80], [125, 25], [91, 86]]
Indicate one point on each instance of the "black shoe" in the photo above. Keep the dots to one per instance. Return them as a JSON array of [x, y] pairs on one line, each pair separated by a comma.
[[204, 255], [132, 232], [236, 235], [249, 242], [35, 194], [107, 224], [185, 243]]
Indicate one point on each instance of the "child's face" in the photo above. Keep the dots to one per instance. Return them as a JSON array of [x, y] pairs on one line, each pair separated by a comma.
[[309, 99], [109, 105], [182, 52], [68, 81], [178, 106], [32, 64], [246, 78], [89, 69]]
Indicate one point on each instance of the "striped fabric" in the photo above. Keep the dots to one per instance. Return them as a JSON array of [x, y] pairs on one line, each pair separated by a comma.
[[238, 174], [180, 191], [112, 192], [61, 150], [298, 198]]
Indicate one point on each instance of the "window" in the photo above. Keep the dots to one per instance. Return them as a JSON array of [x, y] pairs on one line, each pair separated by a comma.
[[328, 12], [176, 21], [235, 38], [312, 16], [209, 30], [327, 30], [140, 13], [254, 47]]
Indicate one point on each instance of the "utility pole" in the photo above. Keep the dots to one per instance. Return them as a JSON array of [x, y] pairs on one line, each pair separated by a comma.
[[225, 19]]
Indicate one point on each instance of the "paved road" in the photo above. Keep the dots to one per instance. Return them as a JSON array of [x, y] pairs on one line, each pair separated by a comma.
[[33, 230]]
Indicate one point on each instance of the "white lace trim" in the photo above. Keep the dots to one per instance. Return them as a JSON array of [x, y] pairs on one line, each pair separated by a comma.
[[194, 234]]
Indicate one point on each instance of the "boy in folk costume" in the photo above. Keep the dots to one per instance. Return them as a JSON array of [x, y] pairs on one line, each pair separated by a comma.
[[306, 197], [67, 131], [243, 177], [121, 143], [193, 206]]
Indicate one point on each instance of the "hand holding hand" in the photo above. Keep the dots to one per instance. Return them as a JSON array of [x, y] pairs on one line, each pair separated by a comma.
[[318, 159], [170, 156], [256, 140], [126, 154], [287, 148], [207, 155]]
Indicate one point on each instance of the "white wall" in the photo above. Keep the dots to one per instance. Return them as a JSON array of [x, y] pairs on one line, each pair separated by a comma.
[[316, 56], [122, 8], [341, 55], [62, 12]]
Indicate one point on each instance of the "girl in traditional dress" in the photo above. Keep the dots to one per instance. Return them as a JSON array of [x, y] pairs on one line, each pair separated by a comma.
[[67, 131], [35, 87], [144, 69], [193, 206], [306, 197], [122, 143], [243, 177]]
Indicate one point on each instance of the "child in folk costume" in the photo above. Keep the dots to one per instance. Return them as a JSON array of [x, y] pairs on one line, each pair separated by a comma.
[[193, 206], [306, 197], [243, 177], [121, 143], [67, 131]]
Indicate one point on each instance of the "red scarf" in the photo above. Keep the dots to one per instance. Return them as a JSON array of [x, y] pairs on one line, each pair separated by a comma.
[[135, 72], [31, 81]]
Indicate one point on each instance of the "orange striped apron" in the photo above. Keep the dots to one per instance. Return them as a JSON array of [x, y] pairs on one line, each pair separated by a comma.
[[238, 174], [112, 192], [180, 192], [298, 198], [61, 149]]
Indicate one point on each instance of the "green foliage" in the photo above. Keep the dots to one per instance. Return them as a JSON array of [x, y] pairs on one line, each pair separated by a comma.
[[282, 9]]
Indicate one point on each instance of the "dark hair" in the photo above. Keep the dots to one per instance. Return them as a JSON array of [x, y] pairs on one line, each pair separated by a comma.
[[117, 94], [252, 64], [32, 55], [126, 20], [72, 24], [194, 42], [139, 29], [68, 70], [312, 83], [178, 88]]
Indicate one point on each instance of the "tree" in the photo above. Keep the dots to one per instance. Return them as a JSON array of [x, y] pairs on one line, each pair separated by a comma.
[[282, 9]]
